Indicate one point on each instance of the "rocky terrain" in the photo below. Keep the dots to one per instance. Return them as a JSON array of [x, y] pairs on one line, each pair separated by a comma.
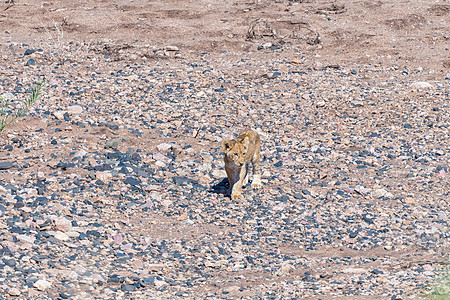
[[113, 186]]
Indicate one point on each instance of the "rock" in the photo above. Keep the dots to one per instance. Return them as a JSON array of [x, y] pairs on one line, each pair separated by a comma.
[[112, 144], [74, 109], [320, 104], [30, 62], [381, 193], [161, 157], [285, 269], [61, 236], [317, 65], [131, 181], [354, 271], [59, 114], [128, 287], [7, 96], [5, 165], [62, 224], [171, 48], [421, 85], [104, 176], [14, 292], [9, 262], [361, 189], [80, 154], [164, 147], [42, 284], [155, 267]]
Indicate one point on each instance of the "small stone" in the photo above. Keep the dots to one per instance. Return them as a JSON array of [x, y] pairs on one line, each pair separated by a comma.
[[167, 203], [62, 224], [285, 269], [381, 193], [42, 284], [112, 144], [5, 165], [30, 62], [14, 292], [164, 147], [81, 153], [75, 109], [104, 176], [59, 114], [361, 189], [428, 268], [10, 262], [72, 234], [421, 85], [29, 51], [354, 271], [317, 65], [61, 236], [320, 104], [128, 287], [171, 48], [131, 181], [155, 267]]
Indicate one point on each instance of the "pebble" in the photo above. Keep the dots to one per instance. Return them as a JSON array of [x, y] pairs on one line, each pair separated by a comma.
[[14, 292], [42, 284], [60, 236], [421, 85], [113, 144], [5, 165], [74, 109]]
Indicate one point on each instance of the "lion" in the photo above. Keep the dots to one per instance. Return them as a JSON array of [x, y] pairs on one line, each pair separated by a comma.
[[238, 155]]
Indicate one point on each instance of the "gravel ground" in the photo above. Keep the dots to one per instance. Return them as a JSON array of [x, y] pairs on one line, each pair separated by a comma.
[[113, 186]]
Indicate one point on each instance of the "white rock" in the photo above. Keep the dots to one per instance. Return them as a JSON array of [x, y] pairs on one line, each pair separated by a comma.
[[72, 234], [14, 292], [171, 48], [285, 269], [59, 114], [159, 283], [74, 109], [354, 270], [167, 203], [42, 284], [161, 157], [381, 193], [421, 85], [80, 153], [62, 224], [26, 238], [320, 104], [160, 164], [361, 190], [164, 147], [104, 176], [7, 96], [66, 140], [60, 236]]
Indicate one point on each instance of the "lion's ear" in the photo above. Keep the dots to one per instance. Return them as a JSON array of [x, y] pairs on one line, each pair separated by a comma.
[[246, 142], [226, 145]]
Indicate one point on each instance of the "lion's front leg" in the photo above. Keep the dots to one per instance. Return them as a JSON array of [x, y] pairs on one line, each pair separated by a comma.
[[236, 192]]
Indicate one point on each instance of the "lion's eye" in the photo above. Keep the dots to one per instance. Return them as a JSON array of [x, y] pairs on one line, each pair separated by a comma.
[[244, 153], [236, 155]]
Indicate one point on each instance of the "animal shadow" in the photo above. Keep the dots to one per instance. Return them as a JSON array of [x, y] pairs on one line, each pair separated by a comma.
[[220, 186]]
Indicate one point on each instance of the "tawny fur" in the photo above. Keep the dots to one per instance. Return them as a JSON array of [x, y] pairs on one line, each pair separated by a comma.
[[239, 153]]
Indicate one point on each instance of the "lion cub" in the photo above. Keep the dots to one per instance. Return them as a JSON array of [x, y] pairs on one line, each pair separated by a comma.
[[238, 155]]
